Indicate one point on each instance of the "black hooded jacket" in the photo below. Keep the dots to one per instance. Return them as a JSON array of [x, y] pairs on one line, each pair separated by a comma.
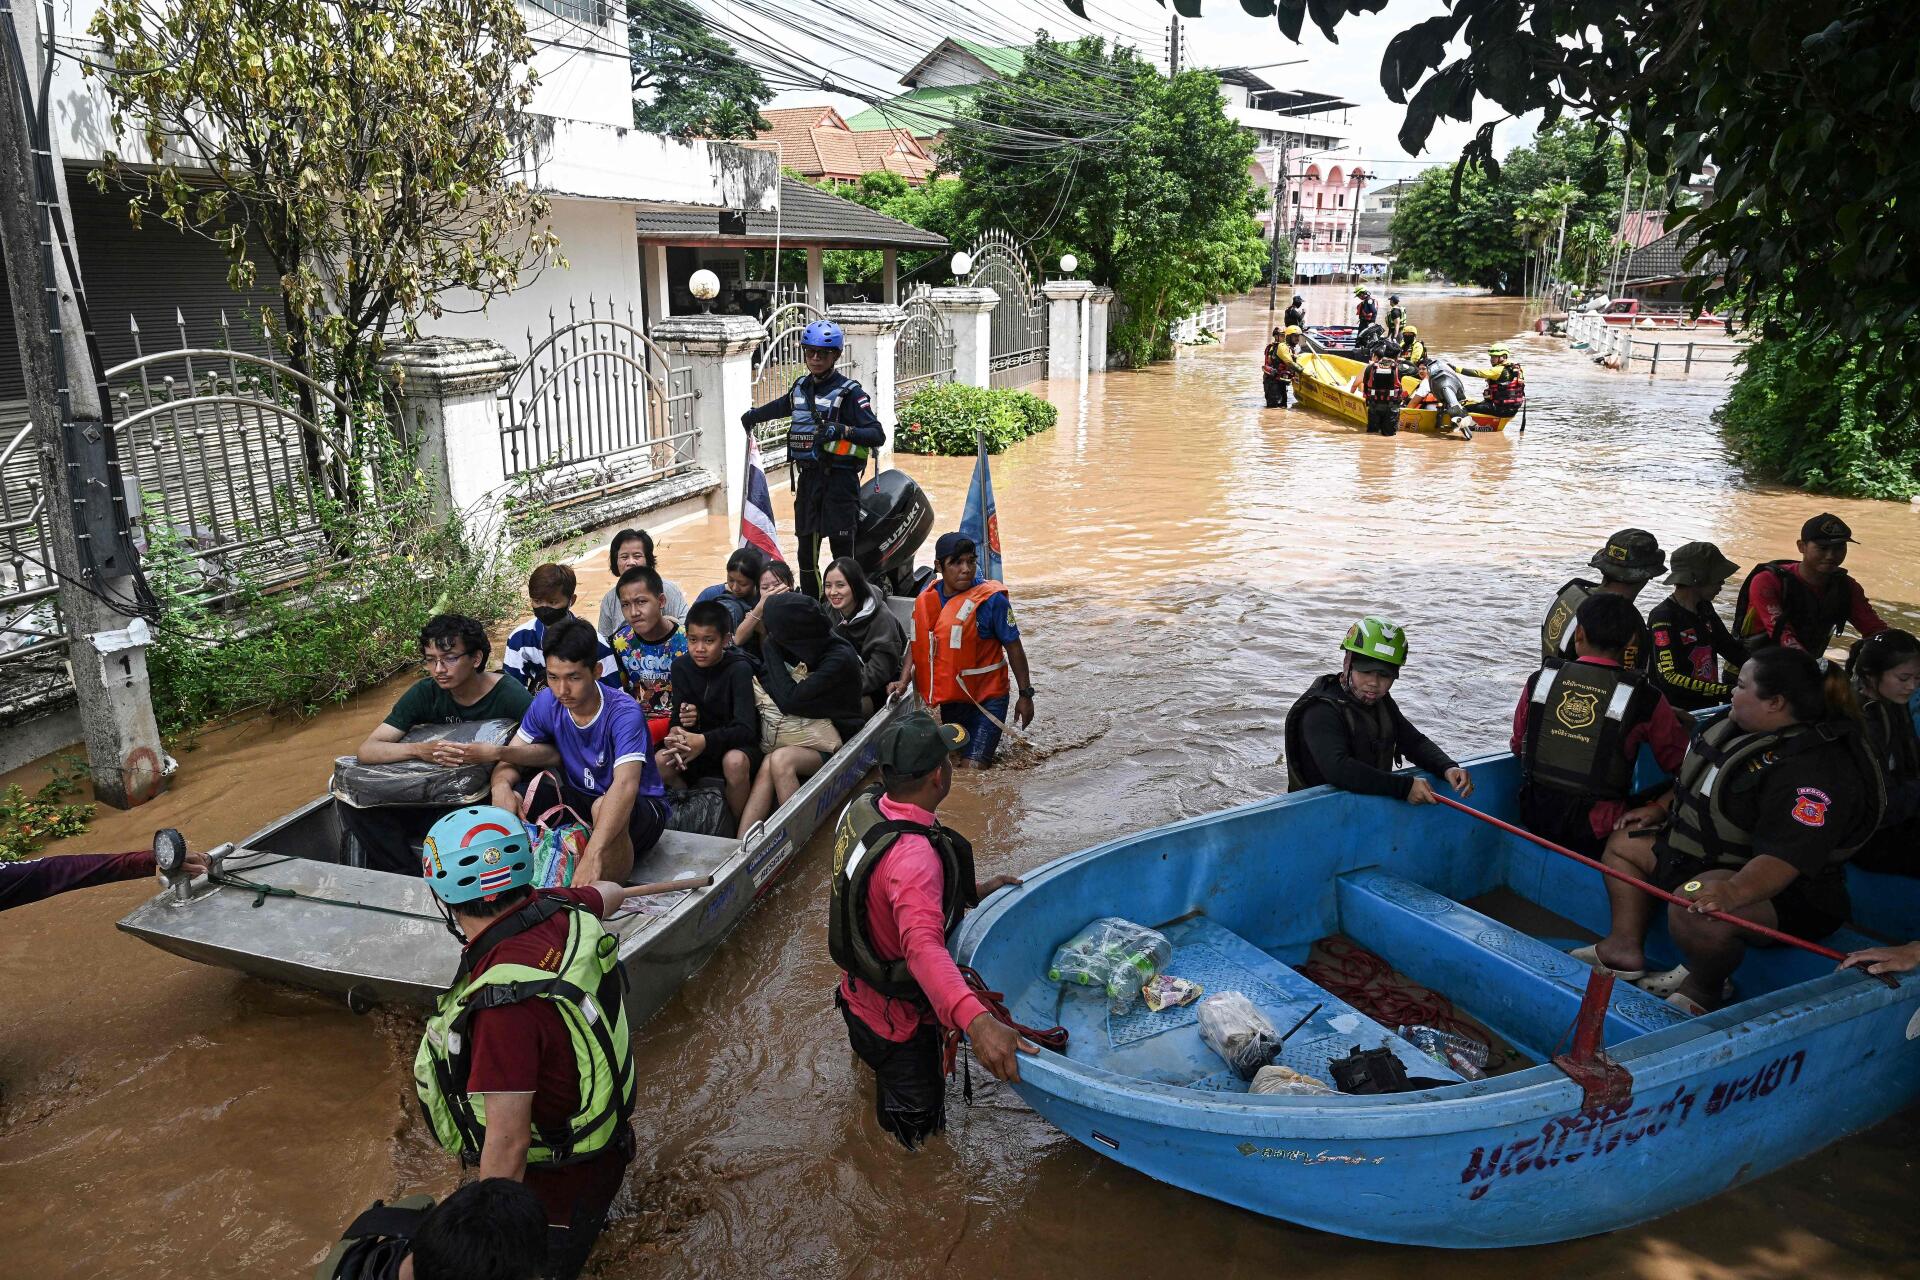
[[729, 717], [800, 630]]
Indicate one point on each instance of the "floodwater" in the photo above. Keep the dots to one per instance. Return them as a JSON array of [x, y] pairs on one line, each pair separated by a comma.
[[1183, 562]]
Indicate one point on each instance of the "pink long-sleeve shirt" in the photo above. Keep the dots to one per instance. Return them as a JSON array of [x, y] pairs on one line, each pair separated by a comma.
[[904, 920]]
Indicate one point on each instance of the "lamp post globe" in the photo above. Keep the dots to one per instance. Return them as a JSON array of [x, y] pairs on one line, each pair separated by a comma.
[[961, 263]]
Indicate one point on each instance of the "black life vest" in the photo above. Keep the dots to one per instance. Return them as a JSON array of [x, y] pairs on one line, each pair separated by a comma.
[[1370, 732], [1578, 715], [1507, 392], [1382, 383], [1723, 754], [373, 1245], [1556, 633], [860, 840], [1296, 316], [1815, 619], [1891, 736]]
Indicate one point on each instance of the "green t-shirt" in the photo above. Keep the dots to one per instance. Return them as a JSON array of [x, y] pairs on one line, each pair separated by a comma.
[[427, 703]]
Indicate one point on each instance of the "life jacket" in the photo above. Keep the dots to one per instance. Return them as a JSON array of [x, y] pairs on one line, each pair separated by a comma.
[[374, 1243], [1578, 717], [815, 407], [861, 838], [1556, 633], [1815, 619], [1370, 732], [589, 992], [1382, 383], [1891, 736], [952, 662], [1270, 360], [1413, 352], [1396, 318], [1366, 311], [1507, 390], [1724, 753]]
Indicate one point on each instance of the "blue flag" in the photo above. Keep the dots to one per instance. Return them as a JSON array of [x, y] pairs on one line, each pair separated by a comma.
[[978, 519]]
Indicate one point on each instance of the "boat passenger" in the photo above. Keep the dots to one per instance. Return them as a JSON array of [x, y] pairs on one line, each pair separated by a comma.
[[1381, 388], [1803, 604], [901, 882], [1412, 350], [1900, 959], [1577, 745], [776, 576], [645, 645], [1296, 316], [1885, 668], [1273, 380], [633, 549], [1347, 731], [551, 589], [492, 1229], [1630, 560], [594, 740], [1506, 384], [1365, 310], [716, 733], [833, 433], [526, 1067], [959, 670], [457, 687], [808, 671], [1689, 640], [869, 625], [1396, 319], [741, 589], [1765, 809]]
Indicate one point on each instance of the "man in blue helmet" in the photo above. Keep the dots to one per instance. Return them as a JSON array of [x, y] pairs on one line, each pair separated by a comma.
[[526, 1067], [834, 432]]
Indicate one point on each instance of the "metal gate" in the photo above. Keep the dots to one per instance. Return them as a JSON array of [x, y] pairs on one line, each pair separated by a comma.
[[923, 352], [777, 363], [595, 409], [1019, 323]]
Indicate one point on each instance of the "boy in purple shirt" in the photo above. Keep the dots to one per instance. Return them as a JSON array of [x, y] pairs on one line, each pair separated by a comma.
[[598, 739]]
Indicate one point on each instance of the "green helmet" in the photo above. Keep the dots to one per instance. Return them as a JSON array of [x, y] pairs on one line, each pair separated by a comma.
[[1378, 639], [1498, 350]]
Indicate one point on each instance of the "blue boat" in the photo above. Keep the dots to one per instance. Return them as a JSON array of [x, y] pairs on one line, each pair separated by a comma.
[[1805, 1056]]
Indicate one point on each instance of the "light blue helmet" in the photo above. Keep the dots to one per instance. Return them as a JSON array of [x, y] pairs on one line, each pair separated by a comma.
[[476, 852], [823, 333]]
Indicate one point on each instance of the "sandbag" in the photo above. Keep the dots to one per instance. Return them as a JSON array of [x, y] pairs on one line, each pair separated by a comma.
[[421, 782]]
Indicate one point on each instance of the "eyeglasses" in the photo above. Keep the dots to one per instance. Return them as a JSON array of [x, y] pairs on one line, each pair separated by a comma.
[[432, 663]]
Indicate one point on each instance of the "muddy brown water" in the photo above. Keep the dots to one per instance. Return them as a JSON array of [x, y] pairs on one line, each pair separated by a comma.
[[1183, 562]]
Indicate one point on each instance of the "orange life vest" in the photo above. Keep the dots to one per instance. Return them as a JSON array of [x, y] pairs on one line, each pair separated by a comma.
[[951, 661]]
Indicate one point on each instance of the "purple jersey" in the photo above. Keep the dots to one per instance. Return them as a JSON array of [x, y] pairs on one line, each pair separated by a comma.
[[589, 753]]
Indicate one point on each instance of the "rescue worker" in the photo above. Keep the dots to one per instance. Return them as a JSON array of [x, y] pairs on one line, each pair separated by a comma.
[[1273, 378], [1885, 668], [901, 883], [526, 1068], [1768, 805], [1346, 730], [1506, 384], [1803, 604], [1297, 313], [1689, 640], [1412, 350], [1627, 563], [833, 433], [964, 642], [1383, 392], [1579, 728], [1365, 310], [1396, 318]]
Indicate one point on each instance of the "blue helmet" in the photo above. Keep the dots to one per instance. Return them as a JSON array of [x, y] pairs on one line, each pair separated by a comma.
[[476, 852], [823, 333]]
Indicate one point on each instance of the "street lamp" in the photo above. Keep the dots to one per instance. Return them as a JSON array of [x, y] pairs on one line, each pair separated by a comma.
[[705, 286], [1069, 264], [961, 263]]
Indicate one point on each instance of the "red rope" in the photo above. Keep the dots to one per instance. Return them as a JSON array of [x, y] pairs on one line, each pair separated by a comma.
[[1368, 983], [1054, 1038]]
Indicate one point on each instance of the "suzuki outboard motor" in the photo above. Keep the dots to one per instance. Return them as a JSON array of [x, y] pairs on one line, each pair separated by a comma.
[[1447, 388], [895, 518]]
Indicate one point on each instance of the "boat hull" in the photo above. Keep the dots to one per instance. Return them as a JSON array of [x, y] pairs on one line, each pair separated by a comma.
[[1323, 380]]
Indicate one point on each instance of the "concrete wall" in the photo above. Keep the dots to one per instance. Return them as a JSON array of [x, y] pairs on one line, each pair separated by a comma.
[[582, 68]]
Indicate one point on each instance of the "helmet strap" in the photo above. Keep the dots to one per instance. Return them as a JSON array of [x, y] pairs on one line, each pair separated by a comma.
[[446, 917]]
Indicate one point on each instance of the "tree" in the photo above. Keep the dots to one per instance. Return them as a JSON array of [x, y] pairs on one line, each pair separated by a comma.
[[369, 148], [1463, 238], [1092, 151], [936, 206], [697, 84]]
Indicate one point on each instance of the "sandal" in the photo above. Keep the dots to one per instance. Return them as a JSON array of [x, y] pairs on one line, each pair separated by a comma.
[[1687, 1005], [1590, 956], [1663, 984]]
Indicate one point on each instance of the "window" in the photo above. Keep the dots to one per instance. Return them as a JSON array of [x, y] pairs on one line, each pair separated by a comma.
[[592, 13], [1340, 200]]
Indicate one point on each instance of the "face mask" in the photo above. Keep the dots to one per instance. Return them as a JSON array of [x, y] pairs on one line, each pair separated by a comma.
[[548, 613]]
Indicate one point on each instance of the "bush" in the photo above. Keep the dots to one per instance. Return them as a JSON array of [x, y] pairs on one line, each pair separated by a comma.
[[28, 822], [1805, 413], [943, 419]]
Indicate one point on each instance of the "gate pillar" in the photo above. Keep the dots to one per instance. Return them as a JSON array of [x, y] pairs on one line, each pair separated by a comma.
[[1067, 328], [718, 350], [967, 313], [872, 329], [448, 390], [1099, 309]]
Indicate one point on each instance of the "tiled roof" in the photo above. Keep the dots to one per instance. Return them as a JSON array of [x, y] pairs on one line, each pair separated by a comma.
[[808, 216], [1665, 259], [816, 143], [1642, 229]]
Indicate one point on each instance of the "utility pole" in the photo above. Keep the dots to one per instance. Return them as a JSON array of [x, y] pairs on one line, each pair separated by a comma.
[[1173, 46], [84, 508], [1359, 180], [1279, 222]]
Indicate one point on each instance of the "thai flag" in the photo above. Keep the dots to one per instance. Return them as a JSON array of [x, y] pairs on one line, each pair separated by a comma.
[[756, 513], [496, 880], [978, 519]]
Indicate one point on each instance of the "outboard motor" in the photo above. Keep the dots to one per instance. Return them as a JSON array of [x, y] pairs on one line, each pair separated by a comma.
[[895, 518], [1368, 340]]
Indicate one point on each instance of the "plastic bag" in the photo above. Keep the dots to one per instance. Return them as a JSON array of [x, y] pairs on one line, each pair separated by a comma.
[[1466, 1056], [1164, 991], [1238, 1032], [1285, 1080], [1114, 955], [422, 782]]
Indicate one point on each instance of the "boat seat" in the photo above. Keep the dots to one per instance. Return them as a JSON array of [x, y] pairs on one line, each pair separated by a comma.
[[1523, 988], [681, 854], [1166, 1047]]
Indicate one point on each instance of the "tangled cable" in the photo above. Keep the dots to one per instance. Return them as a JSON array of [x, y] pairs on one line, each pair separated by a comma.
[[1369, 984]]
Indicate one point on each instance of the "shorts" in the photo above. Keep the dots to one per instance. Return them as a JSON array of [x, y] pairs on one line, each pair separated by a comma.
[[644, 825], [983, 735], [909, 1088], [1809, 908]]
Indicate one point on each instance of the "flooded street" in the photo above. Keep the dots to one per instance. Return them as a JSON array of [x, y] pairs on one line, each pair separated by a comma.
[[1182, 562]]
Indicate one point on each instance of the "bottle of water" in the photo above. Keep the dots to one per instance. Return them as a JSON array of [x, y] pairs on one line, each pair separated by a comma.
[[1466, 1056]]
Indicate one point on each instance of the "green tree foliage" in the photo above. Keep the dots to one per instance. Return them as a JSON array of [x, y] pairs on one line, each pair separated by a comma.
[[696, 84], [1144, 178], [936, 206], [369, 147]]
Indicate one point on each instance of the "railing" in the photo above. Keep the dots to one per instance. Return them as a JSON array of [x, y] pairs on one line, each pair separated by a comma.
[[1193, 329], [923, 352], [1018, 326], [1618, 346]]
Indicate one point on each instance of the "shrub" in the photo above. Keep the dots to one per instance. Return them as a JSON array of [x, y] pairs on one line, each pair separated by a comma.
[[28, 822], [943, 419]]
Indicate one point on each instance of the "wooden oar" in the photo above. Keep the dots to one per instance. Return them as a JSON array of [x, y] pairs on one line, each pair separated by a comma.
[[1785, 939]]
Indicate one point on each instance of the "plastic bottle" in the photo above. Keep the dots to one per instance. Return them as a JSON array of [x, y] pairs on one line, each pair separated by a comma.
[[1465, 1055]]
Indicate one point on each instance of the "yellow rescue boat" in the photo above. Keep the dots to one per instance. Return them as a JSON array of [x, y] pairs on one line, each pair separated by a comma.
[[1331, 384]]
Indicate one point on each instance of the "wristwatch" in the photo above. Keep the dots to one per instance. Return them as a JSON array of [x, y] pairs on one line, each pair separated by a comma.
[[1027, 692]]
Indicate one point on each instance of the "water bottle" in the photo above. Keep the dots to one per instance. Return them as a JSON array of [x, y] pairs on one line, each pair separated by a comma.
[[1465, 1055]]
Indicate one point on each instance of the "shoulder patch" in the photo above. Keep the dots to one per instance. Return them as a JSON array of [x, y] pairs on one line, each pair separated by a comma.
[[1662, 637], [1810, 807]]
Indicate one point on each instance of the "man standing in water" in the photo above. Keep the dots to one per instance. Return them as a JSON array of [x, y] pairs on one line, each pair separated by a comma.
[[964, 642], [1803, 604], [901, 883], [1297, 313]]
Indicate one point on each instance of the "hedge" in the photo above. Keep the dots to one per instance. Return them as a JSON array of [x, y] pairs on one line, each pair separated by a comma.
[[943, 419]]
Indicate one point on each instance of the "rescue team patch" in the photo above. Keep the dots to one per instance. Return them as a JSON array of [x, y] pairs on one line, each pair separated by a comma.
[[1810, 807], [1578, 710], [1663, 637]]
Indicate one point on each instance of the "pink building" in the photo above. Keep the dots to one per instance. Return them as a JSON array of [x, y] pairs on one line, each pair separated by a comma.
[[1323, 198]]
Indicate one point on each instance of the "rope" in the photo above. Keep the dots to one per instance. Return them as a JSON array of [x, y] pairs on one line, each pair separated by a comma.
[[261, 892], [1368, 983], [1054, 1038]]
